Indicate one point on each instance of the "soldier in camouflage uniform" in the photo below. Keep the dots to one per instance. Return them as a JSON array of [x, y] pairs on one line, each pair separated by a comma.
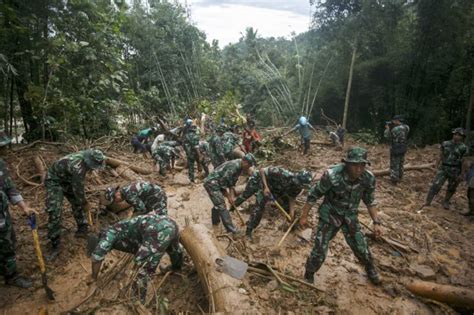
[[272, 183], [191, 144], [8, 193], [65, 178], [148, 237], [397, 132], [216, 147], [204, 156], [450, 167], [343, 186], [232, 142], [165, 154], [222, 178], [144, 197]]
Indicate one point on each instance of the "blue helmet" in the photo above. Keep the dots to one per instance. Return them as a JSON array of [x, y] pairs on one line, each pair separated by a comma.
[[303, 121]]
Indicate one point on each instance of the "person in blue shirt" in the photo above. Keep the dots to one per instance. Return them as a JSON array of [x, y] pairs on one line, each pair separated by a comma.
[[303, 126]]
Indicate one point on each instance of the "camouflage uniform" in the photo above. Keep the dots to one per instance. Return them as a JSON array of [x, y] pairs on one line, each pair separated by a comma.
[[398, 137], [230, 140], [66, 177], [8, 193], [339, 210], [450, 169], [225, 176], [216, 147], [148, 237], [164, 154], [283, 184], [145, 197], [205, 152], [191, 142]]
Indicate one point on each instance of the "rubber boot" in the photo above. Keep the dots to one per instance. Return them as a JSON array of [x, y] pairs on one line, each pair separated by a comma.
[[16, 280], [82, 231], [373, 274], [54, 250], [430, 197], [92, 241], [248, 234], [448, 196], [227, 221], [215, 217], [309, 276]]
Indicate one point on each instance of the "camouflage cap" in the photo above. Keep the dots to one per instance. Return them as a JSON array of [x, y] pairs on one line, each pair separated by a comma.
[[94, 159], [250, 158], [4, 139], [304, 177], [459, 131], [356, 155]]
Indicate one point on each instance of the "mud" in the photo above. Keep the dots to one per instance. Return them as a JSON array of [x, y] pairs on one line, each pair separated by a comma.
[[439, 242]]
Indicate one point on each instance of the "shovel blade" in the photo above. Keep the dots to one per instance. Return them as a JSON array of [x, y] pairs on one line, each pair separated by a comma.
[[232, 267]]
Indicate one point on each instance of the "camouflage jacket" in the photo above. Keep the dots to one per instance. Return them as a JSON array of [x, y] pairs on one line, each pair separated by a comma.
[[205, 151], [398, 134], [145, 197], [452, 153], [7, 186], [280, 181], [230, 140], [191, 141], [216, 147], [165, 152], [341, 195], [226, 175], [146, 233], [70, 170]]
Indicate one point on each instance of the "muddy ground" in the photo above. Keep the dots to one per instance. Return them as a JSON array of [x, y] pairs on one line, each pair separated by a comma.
[[439, 245]]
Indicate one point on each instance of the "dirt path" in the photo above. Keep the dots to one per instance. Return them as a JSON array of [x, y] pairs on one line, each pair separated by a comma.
[[442, 243]]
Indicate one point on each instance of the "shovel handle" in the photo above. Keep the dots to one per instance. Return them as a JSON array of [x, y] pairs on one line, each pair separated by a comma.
[[287, 216], [39, 254]]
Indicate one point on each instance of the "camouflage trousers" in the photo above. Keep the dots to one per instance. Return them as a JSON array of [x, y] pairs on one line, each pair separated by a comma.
[[7, 239], [219, 211], [326, 232], [163, 156], [204, 162], [191, 161], [396, 166], [451, 174], [259, 209], [55, 193]]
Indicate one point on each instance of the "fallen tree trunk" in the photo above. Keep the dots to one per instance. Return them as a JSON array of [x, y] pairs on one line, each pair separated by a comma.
[[40, 169], [405, 168], [451, 295], [222, 290], [126, 173], [115, 163]]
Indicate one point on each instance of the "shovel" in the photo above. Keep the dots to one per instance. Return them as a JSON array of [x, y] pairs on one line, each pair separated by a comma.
[[282, 210], [232, 267], [39, 255]]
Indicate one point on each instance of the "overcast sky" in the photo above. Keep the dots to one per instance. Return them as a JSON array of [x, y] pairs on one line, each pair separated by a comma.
[[225, 20]]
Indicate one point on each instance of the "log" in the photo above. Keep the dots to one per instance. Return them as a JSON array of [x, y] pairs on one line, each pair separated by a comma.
[[407, 167], [115, 163], [222, 290], [40, 169], [451, 295], [126, 173]]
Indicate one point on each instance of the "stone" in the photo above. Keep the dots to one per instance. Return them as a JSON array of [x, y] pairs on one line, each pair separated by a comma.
[[424, 272]]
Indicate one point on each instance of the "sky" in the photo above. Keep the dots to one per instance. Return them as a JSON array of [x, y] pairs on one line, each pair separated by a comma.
[[226, 20]]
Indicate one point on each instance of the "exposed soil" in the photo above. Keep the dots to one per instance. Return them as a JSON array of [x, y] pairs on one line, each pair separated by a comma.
[[440, 241]]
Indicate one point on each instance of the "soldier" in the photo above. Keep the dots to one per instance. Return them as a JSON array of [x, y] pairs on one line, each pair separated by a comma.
[[144, 197], [469, 176], [222, 178], [204, 156], [165, 155], [8, 193], [216, 147], [303, 126], [449, 167], [397, 132], [65, 178], [269, 184], [340, 134], [148, 237], [343, 186], [230, 141], [191, 145]]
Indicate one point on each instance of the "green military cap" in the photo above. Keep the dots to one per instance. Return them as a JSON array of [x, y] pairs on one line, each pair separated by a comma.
[[94, 159], [250, 158], [304, 177], [4, 139], [356, 155], [459, 131]]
